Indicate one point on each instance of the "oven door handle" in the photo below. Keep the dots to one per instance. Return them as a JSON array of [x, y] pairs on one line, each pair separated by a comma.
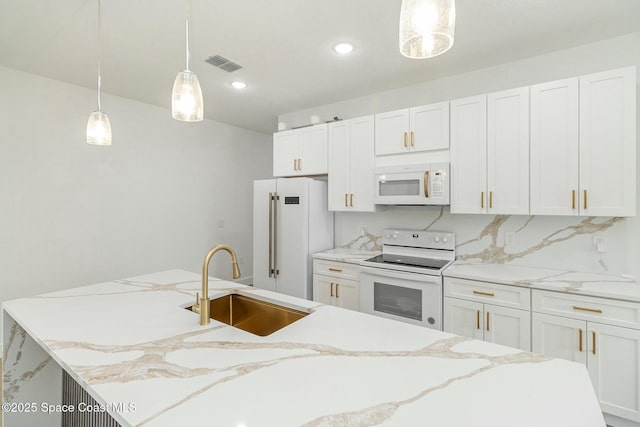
[[394, 274]]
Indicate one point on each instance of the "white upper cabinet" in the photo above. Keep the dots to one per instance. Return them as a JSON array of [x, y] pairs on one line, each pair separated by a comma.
[[583, 145], [423, 128], [300, 151], [554, 148], [508, 151], [469, 155], [351, 160], [608, 143]]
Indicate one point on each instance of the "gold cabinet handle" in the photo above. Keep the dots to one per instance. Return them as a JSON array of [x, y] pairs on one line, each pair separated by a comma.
[[580, 340], [331, 288], [337, 290], [477, 319], [346, 196], [573, 199], [337, 270], [482, 199], [490, 199], [585, 199], [295, 164], [426, 184], [351, 200], [487, 321], [405, 140], [299, 164], [594, 341], [412, 143], [590, 310], [486, 294]]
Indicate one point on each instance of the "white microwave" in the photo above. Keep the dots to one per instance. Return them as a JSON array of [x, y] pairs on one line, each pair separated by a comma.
[[424, 184]]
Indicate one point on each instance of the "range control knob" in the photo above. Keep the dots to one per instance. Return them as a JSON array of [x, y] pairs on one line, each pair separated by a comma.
[[437, 239], [387, 236], [395, 235], [445, 240]]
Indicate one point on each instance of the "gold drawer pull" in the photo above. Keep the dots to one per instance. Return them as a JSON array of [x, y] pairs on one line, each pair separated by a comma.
[[477, 319], [337, 270], [351, 200], [487, 294], [573, 199], [412, 144], [331, 288], [594, 341], [346, 198], [488, 321], [580, 340], [482, 199], [295, 164], [490, 199], [590, 310], [405, 140], [337, 292]]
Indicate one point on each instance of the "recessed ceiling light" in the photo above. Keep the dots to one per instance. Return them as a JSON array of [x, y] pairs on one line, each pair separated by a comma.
[[343, 48], [238, 84]]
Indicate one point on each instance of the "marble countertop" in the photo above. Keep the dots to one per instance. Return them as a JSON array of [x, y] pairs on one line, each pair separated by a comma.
[[592, 284], [351, 256], [131, 340]]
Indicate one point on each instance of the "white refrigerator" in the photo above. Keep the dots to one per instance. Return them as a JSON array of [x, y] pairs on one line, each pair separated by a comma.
[[291, 221]]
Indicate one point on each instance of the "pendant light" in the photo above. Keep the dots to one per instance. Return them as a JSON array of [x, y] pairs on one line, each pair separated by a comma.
[[186, 99], [98, 126], [426, 27]]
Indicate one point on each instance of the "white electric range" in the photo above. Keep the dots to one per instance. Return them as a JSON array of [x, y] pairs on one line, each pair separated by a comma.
[[405, 282]]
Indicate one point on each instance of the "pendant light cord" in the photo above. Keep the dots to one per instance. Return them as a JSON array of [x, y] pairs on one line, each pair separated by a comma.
[[188, 11], [99, 56]]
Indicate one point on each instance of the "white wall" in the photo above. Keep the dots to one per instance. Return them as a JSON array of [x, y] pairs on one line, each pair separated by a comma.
[[578, 252], [159, 198]]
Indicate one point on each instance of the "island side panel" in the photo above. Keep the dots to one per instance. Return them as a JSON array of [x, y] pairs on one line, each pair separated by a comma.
[[31, 380]]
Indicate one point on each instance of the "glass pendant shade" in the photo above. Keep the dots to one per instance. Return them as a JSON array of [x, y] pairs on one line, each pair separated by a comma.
[[426, 27], [186, 99], [98, 129]]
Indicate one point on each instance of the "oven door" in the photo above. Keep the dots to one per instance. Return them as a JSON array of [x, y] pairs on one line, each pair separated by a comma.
[[407, 297]]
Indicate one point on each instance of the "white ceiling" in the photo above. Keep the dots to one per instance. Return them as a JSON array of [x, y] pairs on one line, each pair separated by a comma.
[[283, 45]]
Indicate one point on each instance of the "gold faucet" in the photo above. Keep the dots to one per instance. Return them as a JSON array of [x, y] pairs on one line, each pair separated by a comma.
[[204, 301]]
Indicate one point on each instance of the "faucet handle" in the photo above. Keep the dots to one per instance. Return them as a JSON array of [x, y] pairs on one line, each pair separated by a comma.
[[196, 307]]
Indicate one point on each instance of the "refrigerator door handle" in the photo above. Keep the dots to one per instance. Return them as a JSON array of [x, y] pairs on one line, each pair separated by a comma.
[[276, 197], [270, 234]]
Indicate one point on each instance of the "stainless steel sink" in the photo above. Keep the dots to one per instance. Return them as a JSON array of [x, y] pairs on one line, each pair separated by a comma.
[[252, 315]]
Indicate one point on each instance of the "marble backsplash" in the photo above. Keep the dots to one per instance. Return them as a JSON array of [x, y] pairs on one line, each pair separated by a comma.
[[537, 241]]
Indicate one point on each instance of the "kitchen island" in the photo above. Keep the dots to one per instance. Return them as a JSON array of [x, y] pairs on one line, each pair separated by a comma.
[[147, 361]]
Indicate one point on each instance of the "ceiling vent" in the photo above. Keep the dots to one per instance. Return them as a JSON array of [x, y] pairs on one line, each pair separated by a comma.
[[223, 63]]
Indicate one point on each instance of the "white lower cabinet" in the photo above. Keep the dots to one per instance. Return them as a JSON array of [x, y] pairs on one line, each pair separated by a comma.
[[336, 283], [611, 353], [504, 319]]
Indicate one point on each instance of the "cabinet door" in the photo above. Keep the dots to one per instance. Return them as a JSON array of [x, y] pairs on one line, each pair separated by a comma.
[[463, 318], [429, 126], [560, 337], [507, 326], [392, 132], [323, 289], [608, 143], [554, 148], [508, 151], [339, 166], [469, 155], [613, 361], [285, 153], [313, 150], [347, 294], [362, 160]]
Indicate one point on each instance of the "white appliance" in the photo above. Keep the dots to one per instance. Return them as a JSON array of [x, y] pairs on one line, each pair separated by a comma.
[[290, 222], [405, 282], [423, 184]]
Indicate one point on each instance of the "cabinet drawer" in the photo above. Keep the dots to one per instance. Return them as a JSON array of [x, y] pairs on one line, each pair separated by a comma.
[[601, 310], [336, 269], [503, 295]]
